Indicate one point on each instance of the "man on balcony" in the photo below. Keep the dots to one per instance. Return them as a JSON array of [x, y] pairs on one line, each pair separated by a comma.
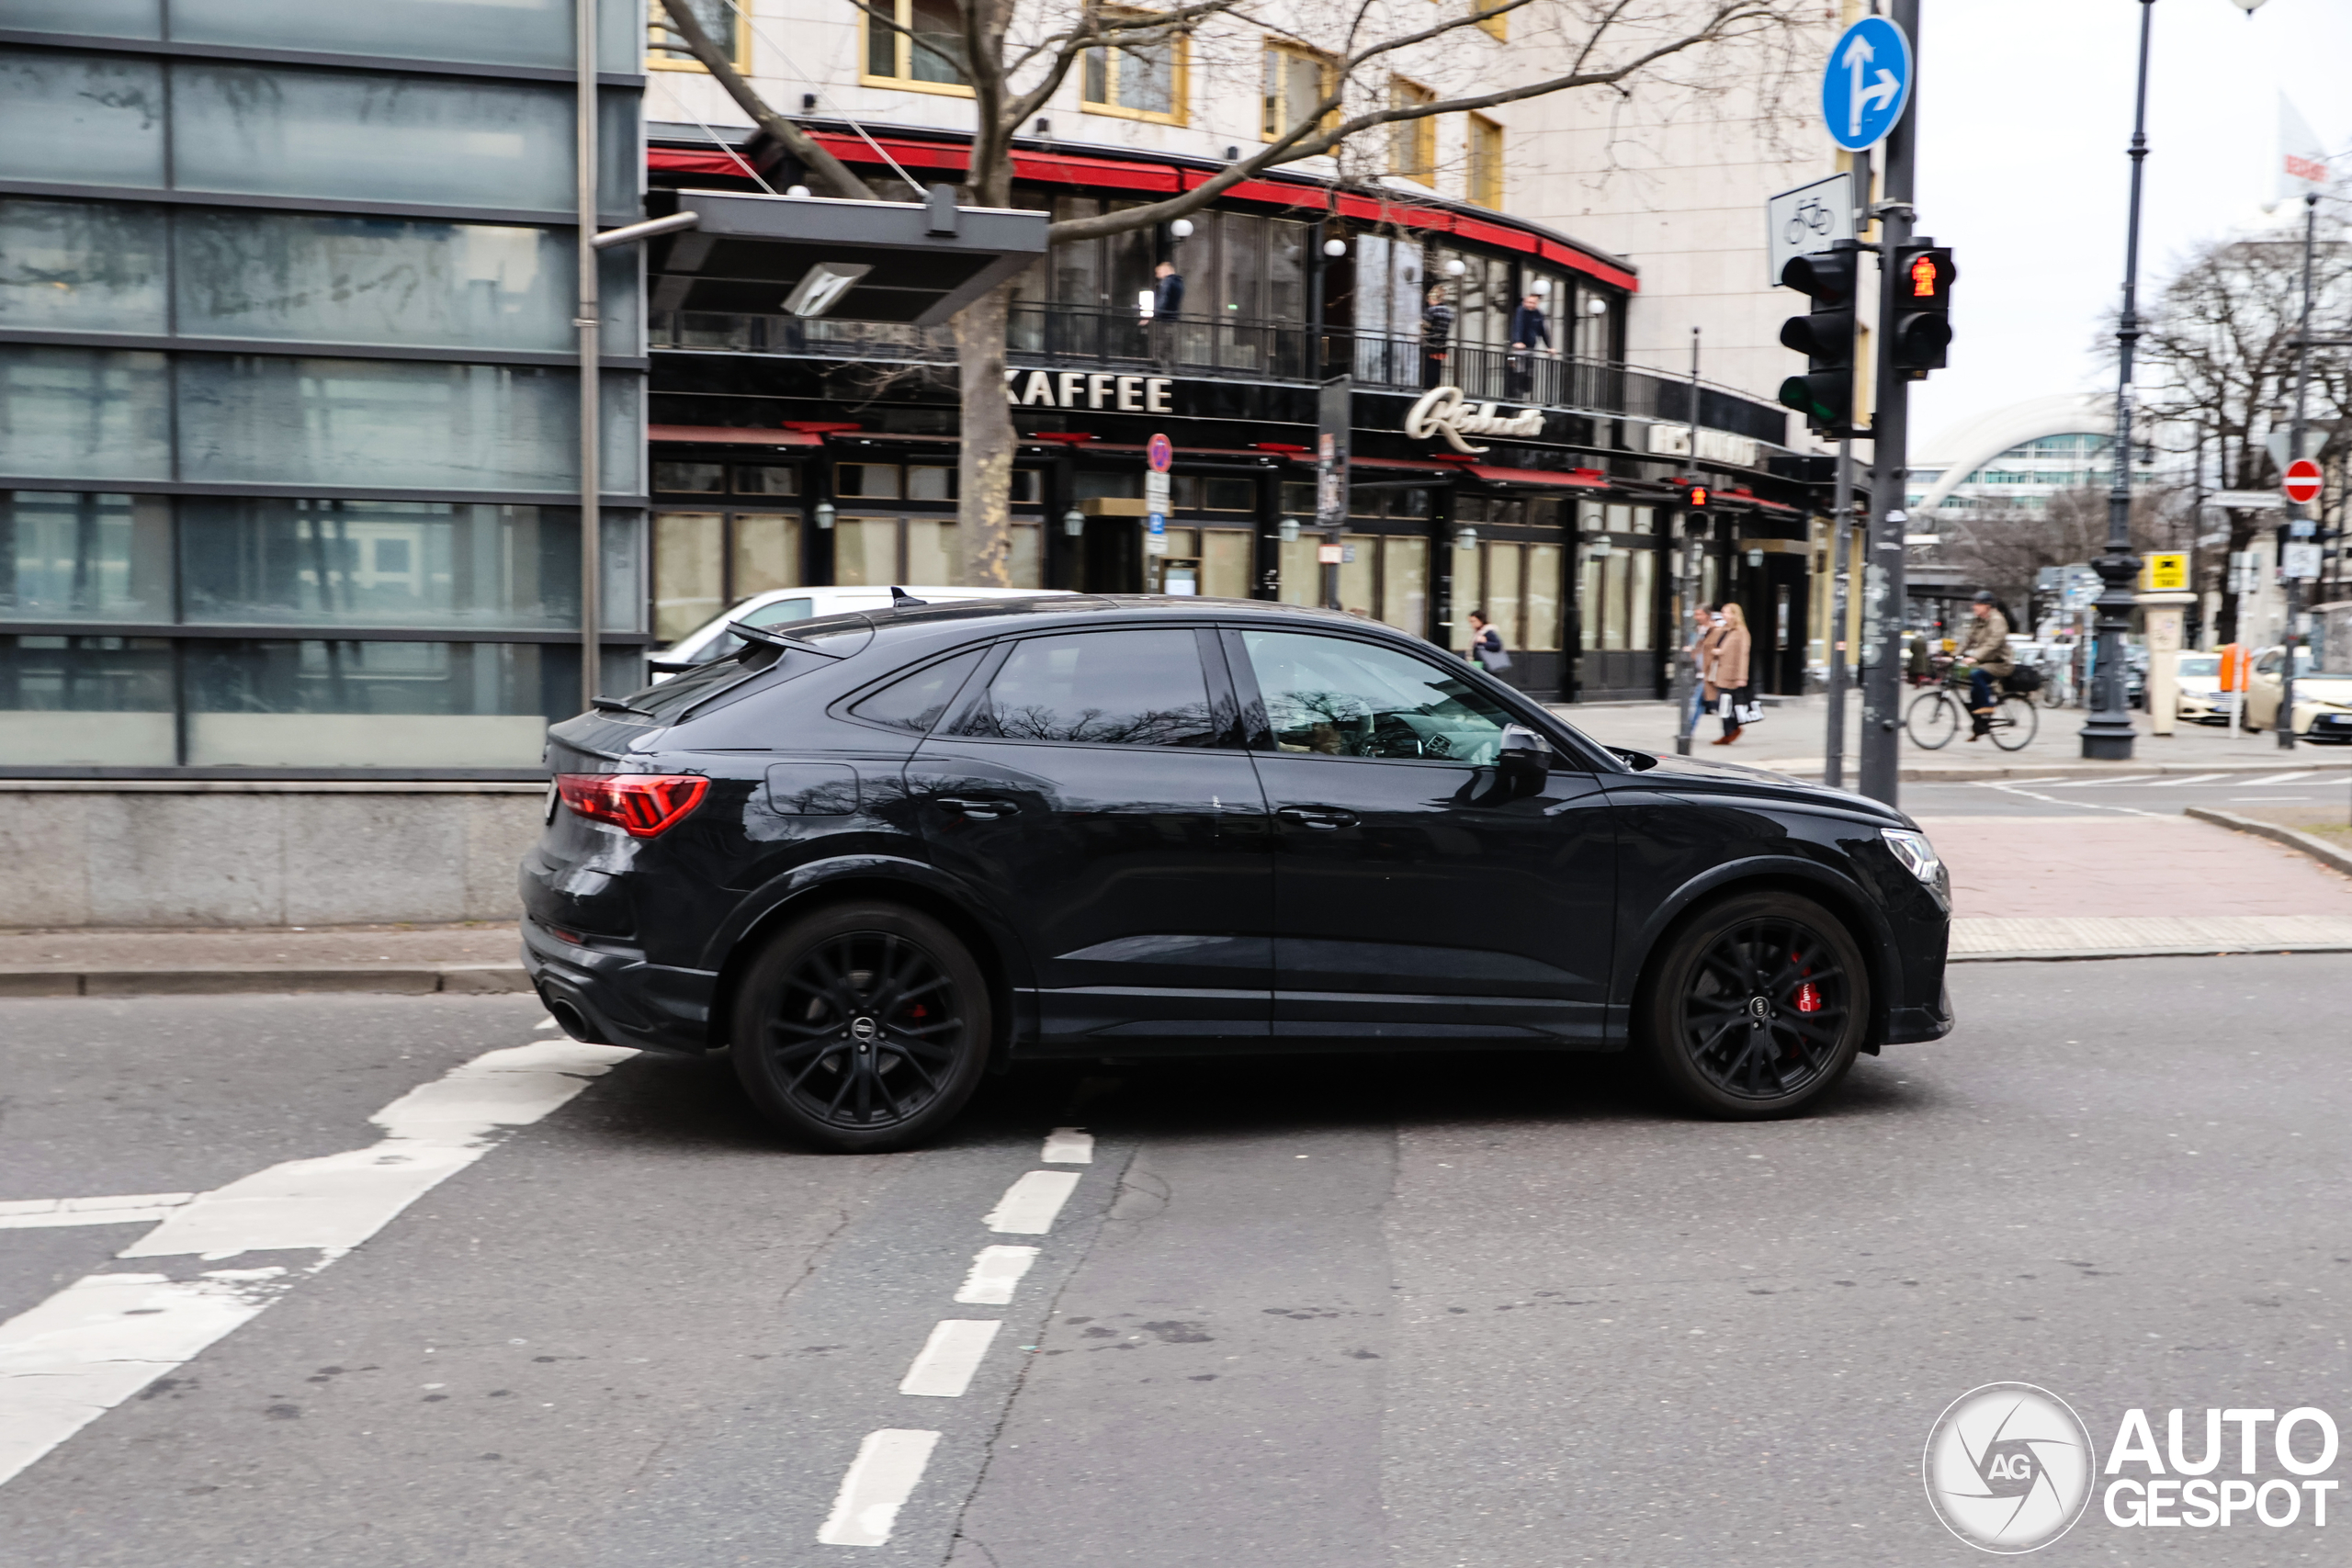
[[1167, 304], [1528, 330], [1437, 333]]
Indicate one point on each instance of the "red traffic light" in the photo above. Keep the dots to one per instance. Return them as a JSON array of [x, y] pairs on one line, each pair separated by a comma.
[[1694, 496], [1925, 276]]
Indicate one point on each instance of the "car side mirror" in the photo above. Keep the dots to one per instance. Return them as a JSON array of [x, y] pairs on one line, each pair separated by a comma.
[[1524, 760]]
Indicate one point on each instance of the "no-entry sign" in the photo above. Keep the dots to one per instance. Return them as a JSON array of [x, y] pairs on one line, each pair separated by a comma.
[[2302, 483]]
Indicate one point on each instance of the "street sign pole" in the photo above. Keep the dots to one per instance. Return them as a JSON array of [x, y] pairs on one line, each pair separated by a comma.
[[1841, 538], [1333, 411], [1883, 573], [2298, 526]]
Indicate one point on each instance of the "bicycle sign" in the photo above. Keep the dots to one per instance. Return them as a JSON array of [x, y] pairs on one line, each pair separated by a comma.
[[1807, 219]]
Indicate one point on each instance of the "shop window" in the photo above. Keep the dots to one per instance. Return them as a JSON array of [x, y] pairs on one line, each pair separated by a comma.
[[1298, 498], [767, 554], [1505, 566], [1485, 171], [1144, 81], [1098, 484], [917, 47], [766, 479], [689, 479], [689, 571], [1642, 607], [1543, 583], [369, 704], [1225, 562], [1405, 583], [721, 23], [1292, 81], [1613, 623], [927, 482], [1230, 495], [1412, 143], [1028, 488], [866, 481], [1590, 582], [923, 551]]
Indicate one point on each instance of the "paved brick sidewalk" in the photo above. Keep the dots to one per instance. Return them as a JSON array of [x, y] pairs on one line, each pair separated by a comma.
[[358, 958]]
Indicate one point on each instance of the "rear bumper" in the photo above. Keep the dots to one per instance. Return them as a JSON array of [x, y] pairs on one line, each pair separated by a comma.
[[616, 996]]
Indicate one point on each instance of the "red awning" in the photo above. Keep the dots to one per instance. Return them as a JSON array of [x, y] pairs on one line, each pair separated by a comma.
[[729, 435], [1577, 478]]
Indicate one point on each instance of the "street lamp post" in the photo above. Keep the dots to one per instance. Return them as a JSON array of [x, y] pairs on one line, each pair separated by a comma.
[[2109, 734], [2298, 524]]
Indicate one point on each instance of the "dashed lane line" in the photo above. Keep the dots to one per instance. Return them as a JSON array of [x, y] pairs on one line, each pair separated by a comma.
[[2279, 779], [949, 1359], [889, 1466], [1030, 1204], [44, 1213], [68, 1361], [1068, 1145], [995, 1271], [2190, 779]]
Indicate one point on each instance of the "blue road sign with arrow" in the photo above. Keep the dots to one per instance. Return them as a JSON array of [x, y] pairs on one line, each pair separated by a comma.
[[1867, 83]]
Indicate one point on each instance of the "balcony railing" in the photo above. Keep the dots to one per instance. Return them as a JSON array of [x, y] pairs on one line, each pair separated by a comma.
[[1072, 335]]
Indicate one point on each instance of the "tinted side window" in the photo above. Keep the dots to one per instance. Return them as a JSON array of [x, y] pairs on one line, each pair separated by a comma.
[[914, 703], [1120, 688], [1342, 698]]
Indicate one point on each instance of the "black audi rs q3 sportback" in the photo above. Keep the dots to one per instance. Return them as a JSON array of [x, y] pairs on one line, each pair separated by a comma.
[[874, 856]]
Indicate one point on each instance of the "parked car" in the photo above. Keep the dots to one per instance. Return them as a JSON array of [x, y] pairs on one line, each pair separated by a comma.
[[782, 606], [2322, 694], [2201, 699], [877, 854]]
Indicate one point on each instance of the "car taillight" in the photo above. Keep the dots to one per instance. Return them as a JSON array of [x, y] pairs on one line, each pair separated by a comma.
[[646, 805]]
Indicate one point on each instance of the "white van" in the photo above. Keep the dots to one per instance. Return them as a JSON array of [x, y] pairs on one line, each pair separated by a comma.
[[781, 606]]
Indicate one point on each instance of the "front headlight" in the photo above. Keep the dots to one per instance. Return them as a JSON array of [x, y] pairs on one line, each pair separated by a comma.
[[1918, 855]]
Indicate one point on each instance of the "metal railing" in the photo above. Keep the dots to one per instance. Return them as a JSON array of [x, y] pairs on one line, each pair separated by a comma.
[[1069, 335]]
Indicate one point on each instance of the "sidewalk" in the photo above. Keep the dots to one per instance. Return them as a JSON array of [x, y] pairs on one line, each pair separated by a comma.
[[2099, 886], [1792, 738], [400, 960]]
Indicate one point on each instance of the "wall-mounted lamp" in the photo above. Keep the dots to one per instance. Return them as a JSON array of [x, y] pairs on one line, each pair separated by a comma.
[[1453, 267], [1595, 548], [808, 103], [1596, 305], [1233, 155], [1181, 228], [1044, 126], [825, 516], [1287, 531], [1335, 247], [1756, 557], [1074, 523], [796, 190], [1542, 285], [1466, 538]]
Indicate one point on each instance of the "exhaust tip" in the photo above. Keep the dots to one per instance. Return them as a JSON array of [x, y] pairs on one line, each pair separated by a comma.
[[572, 1021]]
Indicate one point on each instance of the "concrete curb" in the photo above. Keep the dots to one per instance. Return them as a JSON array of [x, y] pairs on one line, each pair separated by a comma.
[[233, 979], [2066, 770], [2319, 849]]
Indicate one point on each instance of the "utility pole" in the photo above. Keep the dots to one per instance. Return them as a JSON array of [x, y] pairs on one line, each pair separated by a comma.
[[588, 322], [2108, 733], [1882, 574], [1686, 588], [2299, 526]]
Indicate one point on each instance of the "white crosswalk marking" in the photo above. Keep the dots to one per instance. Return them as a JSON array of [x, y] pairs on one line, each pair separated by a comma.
[[1030, 1204], [2280, 778], [2192, 778], [995, 1271], [945, 1365], [1068, 1145], [888, 1465], [44, 1213]]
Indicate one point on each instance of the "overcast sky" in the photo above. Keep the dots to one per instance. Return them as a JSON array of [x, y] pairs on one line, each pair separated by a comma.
[[2026, 113]]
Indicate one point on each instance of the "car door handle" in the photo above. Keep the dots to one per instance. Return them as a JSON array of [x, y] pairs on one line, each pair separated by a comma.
[[978, 807], [1327, 818]]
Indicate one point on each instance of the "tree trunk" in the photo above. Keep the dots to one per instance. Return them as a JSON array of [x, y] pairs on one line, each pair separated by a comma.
[[984, 466]]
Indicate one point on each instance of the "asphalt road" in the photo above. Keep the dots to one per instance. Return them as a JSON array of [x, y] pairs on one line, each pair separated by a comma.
[[2289, 787], [1355, 1312]]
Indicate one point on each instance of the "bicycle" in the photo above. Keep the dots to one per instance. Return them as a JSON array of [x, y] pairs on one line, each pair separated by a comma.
[[1936, 716]]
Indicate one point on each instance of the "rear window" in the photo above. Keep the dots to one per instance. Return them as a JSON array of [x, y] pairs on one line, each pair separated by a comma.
[[839, 636], [913, 703]]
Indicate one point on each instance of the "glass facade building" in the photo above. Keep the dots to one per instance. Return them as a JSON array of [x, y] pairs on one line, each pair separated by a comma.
[[288, 397]]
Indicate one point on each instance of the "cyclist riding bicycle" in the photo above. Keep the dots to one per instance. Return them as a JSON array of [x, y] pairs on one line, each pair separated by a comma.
[[1986, 650]]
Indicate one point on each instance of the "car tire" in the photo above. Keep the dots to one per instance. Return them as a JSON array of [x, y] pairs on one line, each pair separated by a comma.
[[862, 1028], [1698, 1023]]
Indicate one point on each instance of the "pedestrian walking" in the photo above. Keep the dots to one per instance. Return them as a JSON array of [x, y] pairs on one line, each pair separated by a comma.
[[1528, 331], [1727, 672], [1987, 652], [1486, 649], [1703, 630], [1437, 335], [1167, 304]]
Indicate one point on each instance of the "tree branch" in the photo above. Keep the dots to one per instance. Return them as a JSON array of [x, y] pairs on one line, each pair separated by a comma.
[[829, 171]]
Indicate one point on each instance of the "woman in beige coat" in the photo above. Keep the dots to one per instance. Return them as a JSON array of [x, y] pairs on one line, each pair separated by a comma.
[[1726, 663]]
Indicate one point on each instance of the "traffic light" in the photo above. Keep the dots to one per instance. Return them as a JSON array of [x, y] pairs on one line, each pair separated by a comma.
[[1824, 393], [1694, 497], [1923, 278]]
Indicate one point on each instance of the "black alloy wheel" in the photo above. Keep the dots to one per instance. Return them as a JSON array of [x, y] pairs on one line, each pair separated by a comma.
[[862, 1029], [1757, 1007]]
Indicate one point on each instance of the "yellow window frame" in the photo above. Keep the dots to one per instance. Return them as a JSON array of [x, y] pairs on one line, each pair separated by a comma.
[[657, 28], [1498, 27], [902, 53], [1181, 80], [1327, 74], [1412, 143], [1485, 170]]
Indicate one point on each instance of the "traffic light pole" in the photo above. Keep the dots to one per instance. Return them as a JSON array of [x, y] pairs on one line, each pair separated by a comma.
[[1882, 576], [1841, 533], [2108, 733]]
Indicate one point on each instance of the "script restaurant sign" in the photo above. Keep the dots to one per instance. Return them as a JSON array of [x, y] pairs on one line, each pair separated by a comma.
[[1444, 410]]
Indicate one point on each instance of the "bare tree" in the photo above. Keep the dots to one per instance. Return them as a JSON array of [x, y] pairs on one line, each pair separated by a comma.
[[2005, 548], [2219, 347], [1015, 55]]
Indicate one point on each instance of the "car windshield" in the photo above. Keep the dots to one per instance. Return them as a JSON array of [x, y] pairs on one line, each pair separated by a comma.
[[2205, 665]]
